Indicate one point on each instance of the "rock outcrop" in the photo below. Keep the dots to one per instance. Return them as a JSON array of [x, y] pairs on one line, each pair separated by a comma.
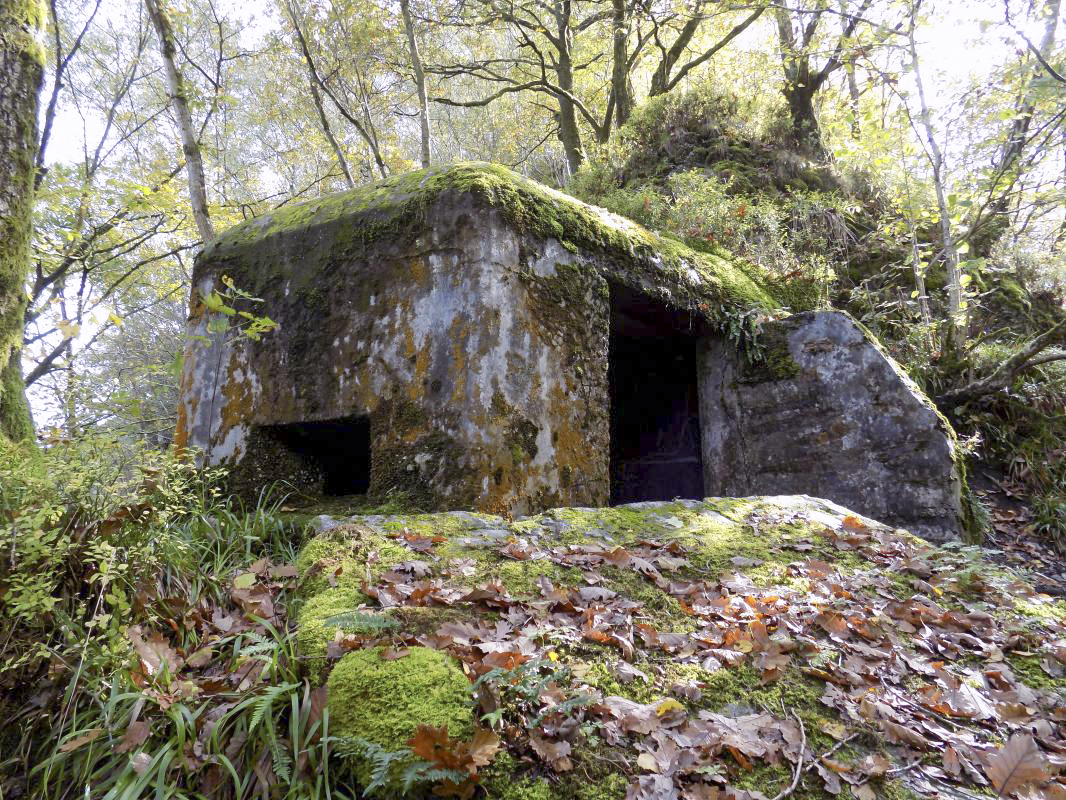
[[827, 413]]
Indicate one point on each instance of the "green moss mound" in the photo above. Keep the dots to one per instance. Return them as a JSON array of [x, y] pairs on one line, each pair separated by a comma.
[[377, 704], [384, 700]]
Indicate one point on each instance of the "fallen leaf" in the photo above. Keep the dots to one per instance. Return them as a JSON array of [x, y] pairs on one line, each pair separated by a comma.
[[1018, 763], [136, 735], [81, 740]]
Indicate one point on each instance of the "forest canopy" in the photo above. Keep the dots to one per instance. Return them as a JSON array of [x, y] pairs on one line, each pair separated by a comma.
[[915, 149]]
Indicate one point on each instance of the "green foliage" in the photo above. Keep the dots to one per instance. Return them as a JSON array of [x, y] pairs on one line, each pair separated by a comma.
[[699, 167], [227, 318], [519, 691], [89, 521], [104, 539], [395, 773]]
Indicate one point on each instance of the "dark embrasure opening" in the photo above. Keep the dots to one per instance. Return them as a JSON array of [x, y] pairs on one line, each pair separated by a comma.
[[333, 453], [655, 427]]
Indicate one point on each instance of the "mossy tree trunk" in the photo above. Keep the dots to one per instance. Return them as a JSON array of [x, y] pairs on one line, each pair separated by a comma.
[[798, 36], [569, 132], [667, 73], [621, 84], [21, 73]]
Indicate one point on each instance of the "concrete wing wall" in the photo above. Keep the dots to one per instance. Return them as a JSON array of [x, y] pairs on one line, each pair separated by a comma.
[[828, 414]]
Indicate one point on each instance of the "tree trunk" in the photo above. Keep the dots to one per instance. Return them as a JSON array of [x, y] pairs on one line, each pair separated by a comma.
[[621, 85], [21, 73], [327, 131], [806, 133], [194, 163], [799, 89], [569, 132], [316, 95], [1017, 137], [956, 328], [420, 80]]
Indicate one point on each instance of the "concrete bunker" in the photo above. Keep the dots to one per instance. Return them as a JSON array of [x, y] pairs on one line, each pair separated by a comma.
[[465, 338]]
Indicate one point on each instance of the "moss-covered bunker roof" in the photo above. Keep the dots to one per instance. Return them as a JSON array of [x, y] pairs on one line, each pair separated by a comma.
[[348, 223]]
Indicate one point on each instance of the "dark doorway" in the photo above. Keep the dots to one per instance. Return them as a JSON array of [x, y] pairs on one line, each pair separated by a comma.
[[333, 454], [655, 427]]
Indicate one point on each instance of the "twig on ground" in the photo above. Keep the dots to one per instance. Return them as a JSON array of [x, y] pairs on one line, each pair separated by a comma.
[[832, 750], [799, 761]]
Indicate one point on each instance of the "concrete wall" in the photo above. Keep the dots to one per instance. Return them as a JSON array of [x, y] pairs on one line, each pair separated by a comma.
[[479, 357], [830, 415]]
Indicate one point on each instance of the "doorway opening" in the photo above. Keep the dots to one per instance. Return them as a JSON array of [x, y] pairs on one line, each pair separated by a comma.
[[655, 426], [332, 454]]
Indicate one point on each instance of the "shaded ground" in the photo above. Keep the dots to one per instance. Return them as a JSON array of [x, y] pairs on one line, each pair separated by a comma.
[[745, 648], [1012, 540]]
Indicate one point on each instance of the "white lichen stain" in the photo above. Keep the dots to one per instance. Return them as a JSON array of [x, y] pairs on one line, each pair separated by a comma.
[[233, 447], [554, 255]]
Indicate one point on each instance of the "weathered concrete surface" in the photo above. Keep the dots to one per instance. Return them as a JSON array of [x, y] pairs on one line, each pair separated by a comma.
[[473, 340], [470, 325], [830, 415], [472, 402]]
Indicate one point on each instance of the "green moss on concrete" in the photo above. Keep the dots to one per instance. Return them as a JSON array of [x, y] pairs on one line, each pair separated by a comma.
[[347, 556], [395, 209], [770, 359], [314, 631], [505, 788], [711, 535], [1050, 611], [591, 779], [896, 790], [384, 701]]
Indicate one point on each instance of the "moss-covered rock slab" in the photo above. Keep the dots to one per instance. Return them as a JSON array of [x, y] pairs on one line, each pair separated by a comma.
[[690, 648], [826, 412]]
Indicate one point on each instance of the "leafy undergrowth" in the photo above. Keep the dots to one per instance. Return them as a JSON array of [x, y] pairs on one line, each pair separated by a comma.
[[145, 644], [757, 648]]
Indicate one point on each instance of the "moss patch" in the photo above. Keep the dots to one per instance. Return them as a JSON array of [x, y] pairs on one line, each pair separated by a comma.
[[1028, 671], [382, 702], [315, 630]]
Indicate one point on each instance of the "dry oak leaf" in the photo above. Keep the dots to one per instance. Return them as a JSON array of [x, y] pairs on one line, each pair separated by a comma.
[[903, 735], [155, 652], [90, 735], [1018, 763], [555, 753], [136, 735]]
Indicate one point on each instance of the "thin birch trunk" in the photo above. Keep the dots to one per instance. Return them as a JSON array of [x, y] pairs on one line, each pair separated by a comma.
[[420, 81], [194, 163]]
